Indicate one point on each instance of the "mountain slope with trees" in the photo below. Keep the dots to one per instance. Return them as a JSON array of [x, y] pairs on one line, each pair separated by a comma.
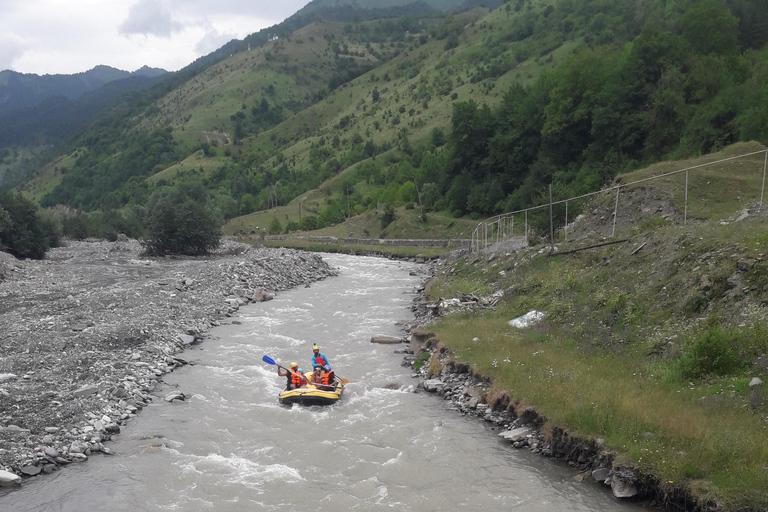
[[472, 113]]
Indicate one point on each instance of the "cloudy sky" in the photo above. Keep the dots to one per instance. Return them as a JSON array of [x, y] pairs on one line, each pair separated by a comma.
[[71, 36]]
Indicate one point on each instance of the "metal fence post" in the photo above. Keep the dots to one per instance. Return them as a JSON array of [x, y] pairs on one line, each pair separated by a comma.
[[526, 226], [565, 228], [762, 189], [615, 212], [685, 208]]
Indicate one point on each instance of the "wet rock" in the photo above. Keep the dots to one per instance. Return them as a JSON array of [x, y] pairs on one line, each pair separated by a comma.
[[517, 434], [386, 340], [175, 396], [31, 470], [8, 479], [623, 486], [261, 296], [601, 474], [433, 385]]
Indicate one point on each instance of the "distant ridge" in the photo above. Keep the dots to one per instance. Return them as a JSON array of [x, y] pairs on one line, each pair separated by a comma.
[[25, 90]]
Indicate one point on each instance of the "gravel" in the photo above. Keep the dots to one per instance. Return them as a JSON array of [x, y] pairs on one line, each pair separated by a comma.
[[86, 334]]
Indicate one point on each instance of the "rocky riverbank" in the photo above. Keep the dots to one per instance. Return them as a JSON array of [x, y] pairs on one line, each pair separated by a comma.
[[86, 334], [470, 394]]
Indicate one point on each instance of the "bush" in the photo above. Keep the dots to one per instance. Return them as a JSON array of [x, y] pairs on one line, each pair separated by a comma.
[[711, 352], [181, 221], [22, 232], [275, 228]]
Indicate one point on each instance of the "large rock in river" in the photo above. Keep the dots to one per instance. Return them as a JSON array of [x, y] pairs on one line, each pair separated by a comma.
[[386, 340]]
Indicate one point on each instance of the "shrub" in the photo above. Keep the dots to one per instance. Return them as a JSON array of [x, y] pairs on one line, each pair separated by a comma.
[[181, 221], [22, 232], [711, 352], [275, 228]]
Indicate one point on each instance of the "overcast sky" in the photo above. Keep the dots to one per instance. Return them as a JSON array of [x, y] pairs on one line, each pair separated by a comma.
[[71, 36]]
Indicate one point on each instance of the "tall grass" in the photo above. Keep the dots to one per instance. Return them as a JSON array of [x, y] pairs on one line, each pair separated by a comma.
[[658, 424]]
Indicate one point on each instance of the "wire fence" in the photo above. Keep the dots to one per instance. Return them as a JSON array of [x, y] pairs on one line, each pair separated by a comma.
[[502, 228]]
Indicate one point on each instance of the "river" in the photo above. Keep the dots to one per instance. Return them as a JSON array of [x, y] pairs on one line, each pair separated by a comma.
[[232, 447]]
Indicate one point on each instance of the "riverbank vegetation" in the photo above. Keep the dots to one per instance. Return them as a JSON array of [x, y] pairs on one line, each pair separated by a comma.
[[655, 345]]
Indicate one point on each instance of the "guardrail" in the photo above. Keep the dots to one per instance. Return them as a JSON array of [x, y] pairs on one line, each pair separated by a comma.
[[501, 227]]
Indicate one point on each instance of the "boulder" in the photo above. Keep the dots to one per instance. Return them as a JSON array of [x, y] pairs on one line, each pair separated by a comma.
[[175, 396], [386, 340], [261, 296], [601, 474], [516, 434], [745, 264], [8, 479], [86, 390], [623, 487], [433, 385], [31, 470]]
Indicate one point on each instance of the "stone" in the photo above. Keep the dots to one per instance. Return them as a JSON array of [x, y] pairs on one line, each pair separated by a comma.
[[51, 430], [756, 381], [745, 264], [261, 296], [517, 434], [8, 479], [601, 474], [7, 376], [86, 390], [77, 447], [385, 339], [51, 452], [623, 488], [31, 470], [433, 385], [705, 283], [186, 339], [175, 396]]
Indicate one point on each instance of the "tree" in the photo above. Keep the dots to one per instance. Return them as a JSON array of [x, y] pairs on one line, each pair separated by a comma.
[[180, 220], [275, 228], [22, 231]]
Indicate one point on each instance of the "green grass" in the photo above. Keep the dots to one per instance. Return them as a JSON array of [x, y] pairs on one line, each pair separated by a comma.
[[632, 351]]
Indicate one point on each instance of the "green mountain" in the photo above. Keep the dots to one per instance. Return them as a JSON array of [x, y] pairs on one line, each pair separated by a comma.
[[23, 90], [469, 113]]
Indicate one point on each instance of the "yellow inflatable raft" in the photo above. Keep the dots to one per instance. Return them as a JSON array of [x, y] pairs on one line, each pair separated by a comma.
[[311, 395]]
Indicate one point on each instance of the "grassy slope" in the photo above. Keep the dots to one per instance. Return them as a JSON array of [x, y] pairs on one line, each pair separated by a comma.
[[431, 63], [609, 359]]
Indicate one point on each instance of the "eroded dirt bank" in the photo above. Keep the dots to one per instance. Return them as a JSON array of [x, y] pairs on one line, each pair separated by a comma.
[[86, 333]]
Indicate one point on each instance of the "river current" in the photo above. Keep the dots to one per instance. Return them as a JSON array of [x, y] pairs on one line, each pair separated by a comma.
[[232, 447]]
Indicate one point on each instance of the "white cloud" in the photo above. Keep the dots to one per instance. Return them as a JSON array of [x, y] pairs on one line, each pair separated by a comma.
[[61, 36], [12, 46], [150, 18], [212, 41]]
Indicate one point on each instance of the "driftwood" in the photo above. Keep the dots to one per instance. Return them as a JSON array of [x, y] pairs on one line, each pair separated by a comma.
[[589, 247]]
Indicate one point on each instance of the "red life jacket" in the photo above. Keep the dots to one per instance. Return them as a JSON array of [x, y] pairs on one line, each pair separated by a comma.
[[327, 379], [297, 379]]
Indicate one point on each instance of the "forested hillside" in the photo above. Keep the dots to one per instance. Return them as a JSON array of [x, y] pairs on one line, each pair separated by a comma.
[[471, 113]]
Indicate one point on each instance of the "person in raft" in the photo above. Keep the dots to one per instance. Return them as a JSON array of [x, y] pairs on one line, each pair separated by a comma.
[[326, 381], [295, 378], [319, 359]]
